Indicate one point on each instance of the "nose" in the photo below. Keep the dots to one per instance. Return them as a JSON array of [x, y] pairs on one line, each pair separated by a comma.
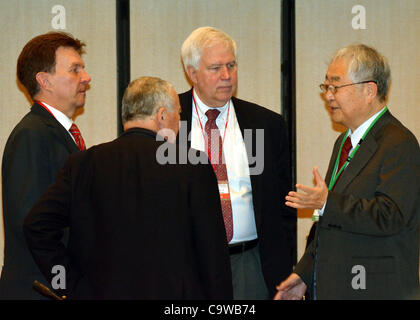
[[328, 95], [85, 77], [225, 73]]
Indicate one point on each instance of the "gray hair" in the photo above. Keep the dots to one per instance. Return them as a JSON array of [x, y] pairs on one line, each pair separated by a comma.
[[365, 63], [144, 96], [201, 38]]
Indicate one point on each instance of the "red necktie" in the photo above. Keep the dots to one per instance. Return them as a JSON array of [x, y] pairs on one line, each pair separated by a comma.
[[344, 153], [343, 156], [74, 130], [215, 152]]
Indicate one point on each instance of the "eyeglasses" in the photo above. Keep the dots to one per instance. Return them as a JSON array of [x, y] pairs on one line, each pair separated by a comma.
[[324, 88]]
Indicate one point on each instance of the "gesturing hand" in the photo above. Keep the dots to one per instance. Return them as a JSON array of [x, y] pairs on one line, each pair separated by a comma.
[[310, 198]]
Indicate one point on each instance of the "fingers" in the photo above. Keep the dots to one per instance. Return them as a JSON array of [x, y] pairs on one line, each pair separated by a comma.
[[295, 199], [318, 179], [305, 188], [278, 295], [309, 198], [299, 199]]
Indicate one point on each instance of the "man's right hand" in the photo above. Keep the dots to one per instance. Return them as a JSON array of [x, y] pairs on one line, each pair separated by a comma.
[[293, 288]]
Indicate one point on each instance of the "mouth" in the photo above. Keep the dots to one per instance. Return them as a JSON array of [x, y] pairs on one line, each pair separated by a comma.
[[225, 88]]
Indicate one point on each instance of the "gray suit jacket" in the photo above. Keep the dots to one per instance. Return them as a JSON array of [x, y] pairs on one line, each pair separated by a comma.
[[35, 150], [366, 244]]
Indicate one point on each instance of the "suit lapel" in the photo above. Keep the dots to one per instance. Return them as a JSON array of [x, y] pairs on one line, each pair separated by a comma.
[[185, 99], [363, 155], [56, 128], [245, 119]]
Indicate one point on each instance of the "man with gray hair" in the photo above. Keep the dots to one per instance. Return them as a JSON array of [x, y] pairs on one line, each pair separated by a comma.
[[366, 243], [138, 229], [248, 148]]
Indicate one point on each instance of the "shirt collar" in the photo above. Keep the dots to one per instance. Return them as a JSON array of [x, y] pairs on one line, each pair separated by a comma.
[[202, 108], [65, 121], [359, 132]]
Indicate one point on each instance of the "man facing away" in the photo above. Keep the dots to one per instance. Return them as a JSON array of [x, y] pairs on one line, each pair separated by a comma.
[[137, 229], [248, 149], [51, 69], [366, 243]]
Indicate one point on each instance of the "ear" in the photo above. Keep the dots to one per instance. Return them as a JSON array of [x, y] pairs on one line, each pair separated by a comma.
[[371, 91], [161, 116], [43, 80], [192, 74]]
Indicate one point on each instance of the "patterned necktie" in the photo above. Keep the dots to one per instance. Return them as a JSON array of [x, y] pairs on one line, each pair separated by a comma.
[[215, 152], [74, 130], [343, 156]]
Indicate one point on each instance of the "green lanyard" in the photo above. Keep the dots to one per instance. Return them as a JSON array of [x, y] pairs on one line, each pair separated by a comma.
[[335, 176]]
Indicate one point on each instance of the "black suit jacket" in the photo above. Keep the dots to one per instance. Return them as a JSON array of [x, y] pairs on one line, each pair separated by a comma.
[[35, 150], [137, 229], [371, 220], [276, 223]]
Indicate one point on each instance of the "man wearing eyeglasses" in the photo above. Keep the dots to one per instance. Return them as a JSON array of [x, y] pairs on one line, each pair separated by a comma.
[[366, 243]]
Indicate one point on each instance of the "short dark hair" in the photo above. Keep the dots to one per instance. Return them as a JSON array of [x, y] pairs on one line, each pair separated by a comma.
[[39, 55]]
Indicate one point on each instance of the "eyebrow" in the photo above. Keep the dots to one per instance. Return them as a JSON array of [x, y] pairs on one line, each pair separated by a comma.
[[76, 64], [222, 64], [333, 78]]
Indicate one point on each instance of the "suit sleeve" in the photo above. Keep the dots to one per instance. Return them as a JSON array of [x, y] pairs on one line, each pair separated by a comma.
[[395, 202], [209, 234], [43, 230], [305, 266]]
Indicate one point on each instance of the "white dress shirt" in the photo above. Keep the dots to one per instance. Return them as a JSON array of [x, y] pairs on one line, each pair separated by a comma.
[[244, 227], [65, 121]]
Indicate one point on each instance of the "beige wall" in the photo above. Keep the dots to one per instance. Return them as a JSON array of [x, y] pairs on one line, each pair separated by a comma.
[[93, 22], [322, 26]]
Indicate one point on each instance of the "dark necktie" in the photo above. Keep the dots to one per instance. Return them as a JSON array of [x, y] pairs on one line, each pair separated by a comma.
[[344, 152], [215, 152], [343, 156], [74, 130]]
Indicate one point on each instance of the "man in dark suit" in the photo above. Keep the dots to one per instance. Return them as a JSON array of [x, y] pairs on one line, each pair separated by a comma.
[[250, 155], [138, 229], [51, 69], [366, 244]]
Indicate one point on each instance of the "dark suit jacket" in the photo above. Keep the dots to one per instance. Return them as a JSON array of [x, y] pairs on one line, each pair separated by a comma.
[[276, 223], [35, 150], [371, 219], [137, 229]]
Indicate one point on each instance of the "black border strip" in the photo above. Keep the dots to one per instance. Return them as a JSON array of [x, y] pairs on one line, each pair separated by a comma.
[[288, 83], [123, 54]]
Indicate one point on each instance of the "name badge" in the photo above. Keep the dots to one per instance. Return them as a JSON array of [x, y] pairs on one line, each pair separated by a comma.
[[224, 191]]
